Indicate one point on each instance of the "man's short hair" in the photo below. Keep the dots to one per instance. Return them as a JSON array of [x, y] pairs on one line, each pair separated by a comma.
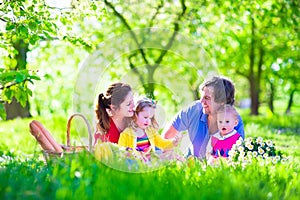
[[223, 89]]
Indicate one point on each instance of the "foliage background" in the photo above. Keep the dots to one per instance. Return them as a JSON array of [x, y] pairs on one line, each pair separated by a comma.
[[255, 43], [252, 42]]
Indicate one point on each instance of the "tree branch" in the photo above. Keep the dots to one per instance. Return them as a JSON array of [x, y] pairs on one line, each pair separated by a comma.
[[3, 20], [156, 13], [241, 73], [154, 17], [134, 68], [12, 84], [175, 32], [133, 35], [57, 8]]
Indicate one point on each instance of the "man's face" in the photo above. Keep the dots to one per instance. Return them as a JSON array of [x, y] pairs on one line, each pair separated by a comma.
[[207, 100]]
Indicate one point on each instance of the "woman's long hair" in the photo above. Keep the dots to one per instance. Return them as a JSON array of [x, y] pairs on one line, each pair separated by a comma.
[[115, 95]]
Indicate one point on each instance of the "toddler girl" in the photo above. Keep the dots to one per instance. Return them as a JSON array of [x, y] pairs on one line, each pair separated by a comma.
[[142, 135]]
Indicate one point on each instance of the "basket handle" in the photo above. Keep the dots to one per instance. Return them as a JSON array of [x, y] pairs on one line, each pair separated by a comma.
[[88, 126]]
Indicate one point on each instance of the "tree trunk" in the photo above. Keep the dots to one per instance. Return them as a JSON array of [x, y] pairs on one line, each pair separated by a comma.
[[14, 109], [150, 81], [254, 96], [252, 78], [288, 109], [196, 93], [271, 97]]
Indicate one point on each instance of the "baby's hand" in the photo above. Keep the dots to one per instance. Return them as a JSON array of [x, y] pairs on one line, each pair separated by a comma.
[[213, 161]]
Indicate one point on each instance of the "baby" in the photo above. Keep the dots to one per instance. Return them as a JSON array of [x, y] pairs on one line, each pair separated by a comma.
[[221, 142]]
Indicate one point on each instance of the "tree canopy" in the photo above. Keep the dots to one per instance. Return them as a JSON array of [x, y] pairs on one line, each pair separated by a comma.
[[156, 44]]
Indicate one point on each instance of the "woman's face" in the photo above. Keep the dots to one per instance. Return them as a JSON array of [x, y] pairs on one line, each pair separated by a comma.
[[208, 103], [126, 107]]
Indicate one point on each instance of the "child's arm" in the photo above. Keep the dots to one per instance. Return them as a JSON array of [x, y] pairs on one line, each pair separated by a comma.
[[126, 138], [163, 143]]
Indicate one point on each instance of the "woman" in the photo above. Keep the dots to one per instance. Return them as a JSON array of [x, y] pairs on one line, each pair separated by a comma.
[[113, 111], [200, 119]]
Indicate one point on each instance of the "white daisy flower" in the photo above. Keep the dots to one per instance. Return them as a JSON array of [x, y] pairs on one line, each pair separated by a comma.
[[232, 153], [269, 143], [259, 140], [240, 148], [247, 144], [260, 150], [249, 139], [250, 147], [238, 142], [268, 160], [274, 160], [234, 147], [241, 158], [284, 160], [242, 153], [254, 154]]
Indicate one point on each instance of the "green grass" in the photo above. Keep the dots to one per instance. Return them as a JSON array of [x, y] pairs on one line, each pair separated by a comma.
[[24, 175]]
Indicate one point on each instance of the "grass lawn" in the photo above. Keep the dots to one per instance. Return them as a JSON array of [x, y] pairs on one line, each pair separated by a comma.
[[24, 175]]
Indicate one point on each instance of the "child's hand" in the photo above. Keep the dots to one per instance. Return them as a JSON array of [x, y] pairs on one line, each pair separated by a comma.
[[177, 139], [146, 151]]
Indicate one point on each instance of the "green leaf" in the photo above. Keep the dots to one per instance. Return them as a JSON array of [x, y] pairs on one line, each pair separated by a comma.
[[47, 35], [32, 26], [23, 30], [20, 77], [94, 7], [10, 27], [29, 92], [34, 77], [23, 98], [6, 95], [2, 112], [32, 41]]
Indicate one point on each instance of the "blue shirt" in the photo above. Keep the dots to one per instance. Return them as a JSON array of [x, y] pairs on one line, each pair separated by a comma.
[[193, 120]]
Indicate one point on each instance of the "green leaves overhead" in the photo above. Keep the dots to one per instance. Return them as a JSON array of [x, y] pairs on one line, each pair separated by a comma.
[[243, 38], [14, 84]]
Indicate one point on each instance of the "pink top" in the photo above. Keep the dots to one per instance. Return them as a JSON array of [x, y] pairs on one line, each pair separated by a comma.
[[221, 147]]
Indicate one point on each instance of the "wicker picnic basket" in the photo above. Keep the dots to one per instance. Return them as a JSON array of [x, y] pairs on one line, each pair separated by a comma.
[[51, 149]]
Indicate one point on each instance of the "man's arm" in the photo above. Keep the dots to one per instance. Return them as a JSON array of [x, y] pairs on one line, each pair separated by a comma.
[[169, 133]]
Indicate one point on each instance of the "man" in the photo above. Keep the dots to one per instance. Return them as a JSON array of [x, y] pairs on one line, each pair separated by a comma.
[[199, 119]]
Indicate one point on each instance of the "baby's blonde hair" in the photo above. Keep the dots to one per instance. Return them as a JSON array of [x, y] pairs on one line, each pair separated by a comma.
[[228, 109]]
